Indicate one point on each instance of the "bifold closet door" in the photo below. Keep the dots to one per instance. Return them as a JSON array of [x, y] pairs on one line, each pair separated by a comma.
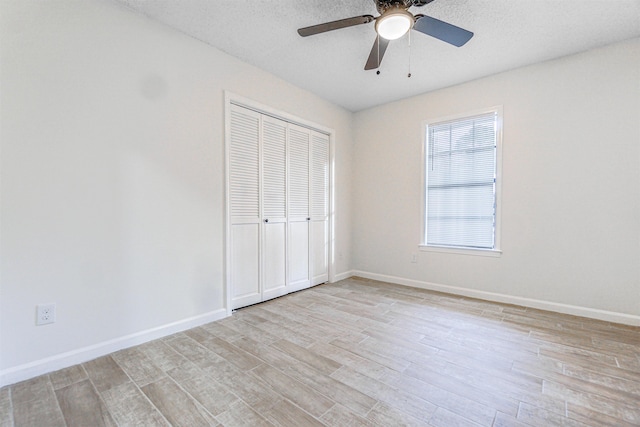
[[278, 183], [244, 210], [319, 208], [274, 207], [298, 213]]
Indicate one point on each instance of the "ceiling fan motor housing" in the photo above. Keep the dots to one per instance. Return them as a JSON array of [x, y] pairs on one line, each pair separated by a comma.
[[383, 5], [420, 3]]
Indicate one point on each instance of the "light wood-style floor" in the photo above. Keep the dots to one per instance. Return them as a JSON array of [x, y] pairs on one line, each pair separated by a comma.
[[354, 353]]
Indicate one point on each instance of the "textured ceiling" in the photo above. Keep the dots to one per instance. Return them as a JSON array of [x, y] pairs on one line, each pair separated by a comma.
[[508, 34]]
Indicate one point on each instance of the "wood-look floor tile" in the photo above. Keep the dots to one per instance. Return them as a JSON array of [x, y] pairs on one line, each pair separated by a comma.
[[246, 314], [484, 340], [162, 356], [629, 363], [212, 395], [489, 396], [422, 328], [301, 394], [138, 366], [576, 355], [454, 402], [297, 331], [34, 403], [368, 352], [193, 351], [43, 411], [335, 390], [284, 332], [564, 338], [81, 406], [487, 375], [463, 356], [339, 415], [6, 409], [538, 366], [504, 420], [307, 375], [249, 388], [397, 348], [105, 373], [130, 407], [594, 418], [394, 397], [267, 353], [176, 405], [231, 353], [198, 334], [316, 361], [401, 295], [533, 415], [343, 357], [287, 414], [385, 415], [613, 382], [245, 329], [629, 412], [376, 313], [580, 385], [304, 299], [65, 377], [444, 418], [398, 333], [320, 330], [221, 330], [242, 415], [39, 388], [343, 317], [611, 346]]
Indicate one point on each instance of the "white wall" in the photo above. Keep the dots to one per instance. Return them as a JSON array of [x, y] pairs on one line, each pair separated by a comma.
[[571, 186], [112, 131]]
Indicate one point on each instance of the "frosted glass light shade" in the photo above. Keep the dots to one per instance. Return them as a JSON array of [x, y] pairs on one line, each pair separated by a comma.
[[394, 23]]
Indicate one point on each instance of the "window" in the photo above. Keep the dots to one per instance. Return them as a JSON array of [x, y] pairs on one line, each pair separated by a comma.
[[461, 185]]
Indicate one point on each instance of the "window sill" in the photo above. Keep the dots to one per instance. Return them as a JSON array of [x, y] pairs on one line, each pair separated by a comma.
[[461, 251]]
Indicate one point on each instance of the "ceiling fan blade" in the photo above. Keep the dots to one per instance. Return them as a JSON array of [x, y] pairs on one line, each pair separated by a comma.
[[441, 30], [335, 25], [377, 52]]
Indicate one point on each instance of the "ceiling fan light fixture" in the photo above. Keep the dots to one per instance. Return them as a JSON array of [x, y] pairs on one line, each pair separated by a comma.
[[394, 23]]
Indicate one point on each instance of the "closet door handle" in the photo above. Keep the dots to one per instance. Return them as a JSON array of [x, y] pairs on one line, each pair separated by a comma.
[[266, 220], [308, 219]]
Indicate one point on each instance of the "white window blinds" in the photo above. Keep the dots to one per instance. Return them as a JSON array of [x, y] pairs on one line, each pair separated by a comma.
[[461, 182]]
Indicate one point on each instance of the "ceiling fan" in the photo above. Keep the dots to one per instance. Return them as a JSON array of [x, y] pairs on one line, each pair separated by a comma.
[[394, 21]]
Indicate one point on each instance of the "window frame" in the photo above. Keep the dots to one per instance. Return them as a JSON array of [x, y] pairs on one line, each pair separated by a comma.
[[423, 246]]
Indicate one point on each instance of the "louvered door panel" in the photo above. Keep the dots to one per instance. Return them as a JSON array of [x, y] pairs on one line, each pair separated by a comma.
[[244, 170], [319, 175], [319, 208], [274, 190], [298, 171], [244, 206], [274, 162], [298, 218]]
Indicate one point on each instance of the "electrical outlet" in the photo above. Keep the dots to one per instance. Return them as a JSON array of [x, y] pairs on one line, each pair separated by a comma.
[[414, 258], [45, 314]]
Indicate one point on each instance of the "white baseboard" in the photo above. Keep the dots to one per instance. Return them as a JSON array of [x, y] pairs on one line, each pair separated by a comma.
[[342, 276], [81, 355], [593, 313]]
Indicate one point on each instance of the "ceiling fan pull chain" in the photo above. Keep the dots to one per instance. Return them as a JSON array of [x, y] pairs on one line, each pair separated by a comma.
[[409, 74], [378, 46]]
